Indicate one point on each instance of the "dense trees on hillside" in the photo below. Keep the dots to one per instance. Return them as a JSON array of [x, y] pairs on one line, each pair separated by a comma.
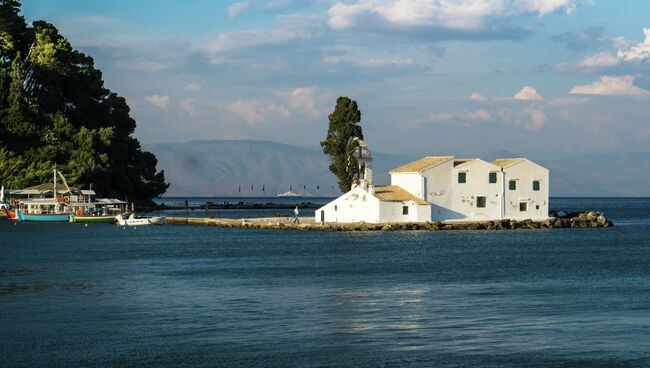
[[340, 142], [55, 110]]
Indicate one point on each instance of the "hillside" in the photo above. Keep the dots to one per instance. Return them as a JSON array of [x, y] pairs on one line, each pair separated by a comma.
[[219, 168]]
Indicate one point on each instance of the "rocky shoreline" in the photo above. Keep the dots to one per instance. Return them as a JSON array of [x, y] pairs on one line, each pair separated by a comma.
[[589, 219]]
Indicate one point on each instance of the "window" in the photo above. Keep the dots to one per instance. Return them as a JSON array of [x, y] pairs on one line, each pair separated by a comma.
[[405, 210], [493, 178], [537, 207], [462, 177], [512, 185], [536, 185], [336, 208], [523, 206], [480, 202]]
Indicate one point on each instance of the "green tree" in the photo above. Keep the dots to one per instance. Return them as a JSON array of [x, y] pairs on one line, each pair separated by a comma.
[[55, 111], [340, 142]]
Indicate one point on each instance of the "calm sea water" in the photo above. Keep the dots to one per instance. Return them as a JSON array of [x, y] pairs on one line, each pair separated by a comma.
[[238, 213], [183, 296]]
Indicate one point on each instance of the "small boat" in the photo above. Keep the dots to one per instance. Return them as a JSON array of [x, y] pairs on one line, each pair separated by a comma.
[[139, 221], [93, 219], [11, 215], [47, 217], [289, 194]]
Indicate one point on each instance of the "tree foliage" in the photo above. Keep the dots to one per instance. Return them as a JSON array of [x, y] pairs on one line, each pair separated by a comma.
[[340, 142], [55, 111]]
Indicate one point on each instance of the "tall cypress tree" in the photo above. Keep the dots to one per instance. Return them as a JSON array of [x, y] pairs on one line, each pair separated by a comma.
[[340, 142]]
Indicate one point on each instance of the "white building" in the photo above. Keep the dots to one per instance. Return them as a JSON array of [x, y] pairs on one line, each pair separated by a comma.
[[374, 204], [444, 188], [526, 189], [473, 189]]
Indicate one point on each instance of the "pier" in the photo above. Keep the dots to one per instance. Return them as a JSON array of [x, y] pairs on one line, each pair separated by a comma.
[[589, 219]]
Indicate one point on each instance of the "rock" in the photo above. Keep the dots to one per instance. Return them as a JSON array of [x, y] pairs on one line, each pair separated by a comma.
[[472, 226], [601, 220]]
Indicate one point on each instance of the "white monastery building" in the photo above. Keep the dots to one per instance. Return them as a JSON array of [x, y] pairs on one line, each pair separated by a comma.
[[444, 188]]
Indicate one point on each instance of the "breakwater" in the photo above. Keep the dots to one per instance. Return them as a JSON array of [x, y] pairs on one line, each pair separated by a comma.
[[241, 205], [589, 219]]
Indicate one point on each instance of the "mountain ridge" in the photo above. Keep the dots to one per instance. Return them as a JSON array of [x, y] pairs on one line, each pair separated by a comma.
[[245, 167]]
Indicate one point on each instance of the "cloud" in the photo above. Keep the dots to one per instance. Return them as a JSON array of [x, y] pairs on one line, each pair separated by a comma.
[[532, 119], [193, 87], [141, 65], [159, 101], [477, 97], [374, 62], [611, 86], [602, 60], [290, 29], [236, 9], [305, 99], [528, 118], [189, 107], [528, 94], [639, 52], [588, 38], [460, 14], [255, 112], [459, 116]]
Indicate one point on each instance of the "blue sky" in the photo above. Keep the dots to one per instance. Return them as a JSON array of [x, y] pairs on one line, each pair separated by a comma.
[[561, 77]]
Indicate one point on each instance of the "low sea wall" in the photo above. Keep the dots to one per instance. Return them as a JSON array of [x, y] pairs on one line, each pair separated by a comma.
[[589, 219]]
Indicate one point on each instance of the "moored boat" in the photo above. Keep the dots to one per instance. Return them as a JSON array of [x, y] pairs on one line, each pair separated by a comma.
[[139, 221], [93, 219], [47, 217], [11, 215]]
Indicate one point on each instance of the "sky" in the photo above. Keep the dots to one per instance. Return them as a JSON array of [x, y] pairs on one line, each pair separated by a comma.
[[554, 77]]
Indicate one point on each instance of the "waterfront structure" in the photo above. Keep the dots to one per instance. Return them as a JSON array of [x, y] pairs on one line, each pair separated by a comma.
[[50, 198], [473, 189], [444, 188], [373, 204], [526, 189]]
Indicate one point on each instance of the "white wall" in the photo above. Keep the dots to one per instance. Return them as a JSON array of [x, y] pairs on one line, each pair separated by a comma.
[[411, 182], [354, 206], [465, 195], [524, 173], [393, 212], [358, 205]]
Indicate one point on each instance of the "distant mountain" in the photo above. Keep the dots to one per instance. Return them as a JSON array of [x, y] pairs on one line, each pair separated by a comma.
[[229, 168]]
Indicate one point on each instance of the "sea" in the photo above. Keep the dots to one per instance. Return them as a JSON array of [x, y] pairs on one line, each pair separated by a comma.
[[191, 296]]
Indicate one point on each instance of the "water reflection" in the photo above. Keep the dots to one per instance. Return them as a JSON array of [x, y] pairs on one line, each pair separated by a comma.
[[380, 314]]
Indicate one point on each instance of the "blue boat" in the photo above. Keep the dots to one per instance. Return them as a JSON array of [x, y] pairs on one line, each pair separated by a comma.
[[54, 217]]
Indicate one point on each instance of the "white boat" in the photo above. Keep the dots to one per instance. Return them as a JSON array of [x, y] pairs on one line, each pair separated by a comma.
[[139, 221], [289, 194], [3, 204]]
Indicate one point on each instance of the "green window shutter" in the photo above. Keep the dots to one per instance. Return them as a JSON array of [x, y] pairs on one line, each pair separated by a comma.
[[536, 185], [512, 185], [493, 178], [462, 177]]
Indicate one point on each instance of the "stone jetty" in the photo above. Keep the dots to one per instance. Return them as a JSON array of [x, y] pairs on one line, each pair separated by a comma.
[[589, 219]]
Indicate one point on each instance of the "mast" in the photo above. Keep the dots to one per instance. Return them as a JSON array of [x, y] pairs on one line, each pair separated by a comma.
[[65, 182], [55, 183]]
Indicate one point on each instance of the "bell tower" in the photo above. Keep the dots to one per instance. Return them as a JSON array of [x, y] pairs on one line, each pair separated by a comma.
[[364, 158]]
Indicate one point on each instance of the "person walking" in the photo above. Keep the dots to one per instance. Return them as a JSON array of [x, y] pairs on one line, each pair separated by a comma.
[[296, 213]]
